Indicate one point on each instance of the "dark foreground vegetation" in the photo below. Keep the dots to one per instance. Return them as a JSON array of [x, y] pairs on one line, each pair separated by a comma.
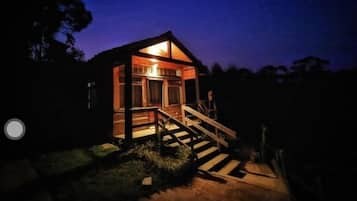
[[102, 172]]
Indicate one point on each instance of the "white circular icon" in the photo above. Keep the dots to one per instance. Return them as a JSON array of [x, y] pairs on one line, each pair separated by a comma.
[[14, 129]]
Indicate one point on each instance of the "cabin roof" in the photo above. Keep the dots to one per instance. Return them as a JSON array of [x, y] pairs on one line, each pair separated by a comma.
[[120, 53]]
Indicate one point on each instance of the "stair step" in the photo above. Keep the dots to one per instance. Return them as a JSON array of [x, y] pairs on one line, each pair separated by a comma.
[[166, 138], [206, 152], [181, 134], [229, 167], [214, 161], [185, 141], [175, 144], [200, 144]]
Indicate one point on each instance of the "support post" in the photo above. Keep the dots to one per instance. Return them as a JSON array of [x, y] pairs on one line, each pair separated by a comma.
[[219, 137], [197, 86], [128, 103], [262, 143], [157, 132], [183, 115]]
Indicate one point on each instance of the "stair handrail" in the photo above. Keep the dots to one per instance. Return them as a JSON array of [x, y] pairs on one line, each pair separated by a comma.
[[218, 126], [182, 126]]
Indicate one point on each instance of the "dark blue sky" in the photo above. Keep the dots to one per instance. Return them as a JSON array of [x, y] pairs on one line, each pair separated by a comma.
[[245, 33]]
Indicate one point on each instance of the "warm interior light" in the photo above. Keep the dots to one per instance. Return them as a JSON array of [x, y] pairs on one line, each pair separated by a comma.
[[158, 49], [153, 70], [153, 60]]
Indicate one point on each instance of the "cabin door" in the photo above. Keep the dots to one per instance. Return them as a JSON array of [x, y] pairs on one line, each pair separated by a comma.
[[155, 92]]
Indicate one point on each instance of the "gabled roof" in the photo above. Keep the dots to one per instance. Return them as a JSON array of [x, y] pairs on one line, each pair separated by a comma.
[[119, 53]]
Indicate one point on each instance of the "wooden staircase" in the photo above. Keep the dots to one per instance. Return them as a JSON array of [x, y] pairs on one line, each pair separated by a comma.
[[210, 146]]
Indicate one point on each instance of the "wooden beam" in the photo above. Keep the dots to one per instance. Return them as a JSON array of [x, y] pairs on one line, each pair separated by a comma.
[[197, 86], [163, 59], [128, 102]]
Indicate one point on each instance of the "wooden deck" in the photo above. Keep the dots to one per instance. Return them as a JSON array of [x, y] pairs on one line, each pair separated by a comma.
[[146, 132]]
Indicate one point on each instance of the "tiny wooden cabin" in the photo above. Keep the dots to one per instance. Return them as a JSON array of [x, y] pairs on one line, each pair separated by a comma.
[[158, 71]]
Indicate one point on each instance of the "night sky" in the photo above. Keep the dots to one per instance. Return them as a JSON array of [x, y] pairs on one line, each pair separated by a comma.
[[245, 33]]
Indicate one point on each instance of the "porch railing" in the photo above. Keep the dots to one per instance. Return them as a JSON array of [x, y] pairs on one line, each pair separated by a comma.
[[160, 122]]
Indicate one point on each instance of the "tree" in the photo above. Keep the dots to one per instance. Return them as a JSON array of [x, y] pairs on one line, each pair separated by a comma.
[[217, 69], [309, 64], [32, 27]]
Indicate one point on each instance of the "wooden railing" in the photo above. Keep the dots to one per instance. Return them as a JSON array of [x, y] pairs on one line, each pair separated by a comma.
[[219, 128], [168, 118], [161, 119]]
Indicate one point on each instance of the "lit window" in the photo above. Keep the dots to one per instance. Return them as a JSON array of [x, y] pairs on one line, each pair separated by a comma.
[[136, 93], [174, 92]]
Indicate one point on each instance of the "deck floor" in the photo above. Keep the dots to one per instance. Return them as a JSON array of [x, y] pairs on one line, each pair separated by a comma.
[[146, 132]]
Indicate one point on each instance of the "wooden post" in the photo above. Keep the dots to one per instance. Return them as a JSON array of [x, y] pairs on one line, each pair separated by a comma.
[[183, 115], [157, 132], [156, 120], [197, 86], [282, 163], [128, 102], [263, 143], [218, 136]]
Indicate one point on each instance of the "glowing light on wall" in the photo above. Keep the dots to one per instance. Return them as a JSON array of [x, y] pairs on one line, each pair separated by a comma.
[[160, 49], [154, 71]]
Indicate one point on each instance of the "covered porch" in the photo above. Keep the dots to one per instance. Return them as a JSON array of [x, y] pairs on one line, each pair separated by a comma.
[[162, 75]]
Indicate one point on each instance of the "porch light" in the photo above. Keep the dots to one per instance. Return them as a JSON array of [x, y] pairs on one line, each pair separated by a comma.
[[153, 70]]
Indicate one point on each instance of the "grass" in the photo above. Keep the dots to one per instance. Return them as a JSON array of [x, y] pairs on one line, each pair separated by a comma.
[[109, 175], [103, 150], [121, 182], [175, 161], [57, 163]]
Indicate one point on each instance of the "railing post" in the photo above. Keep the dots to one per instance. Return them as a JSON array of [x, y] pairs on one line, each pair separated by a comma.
[[157, 132], [156, 120], [263, 143], [219, 137], [183, 115], [282, 162]]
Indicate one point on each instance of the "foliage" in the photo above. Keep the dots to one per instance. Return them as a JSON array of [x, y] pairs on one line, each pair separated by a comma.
[[33, 34], [176, 164], [56, 163], [120, 182], [99, 173], [103, 150]]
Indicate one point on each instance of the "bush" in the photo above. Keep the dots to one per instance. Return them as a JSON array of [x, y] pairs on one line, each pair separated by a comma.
[[176, 163]]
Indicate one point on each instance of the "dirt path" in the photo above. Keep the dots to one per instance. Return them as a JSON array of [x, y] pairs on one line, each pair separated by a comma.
[[209, 188]]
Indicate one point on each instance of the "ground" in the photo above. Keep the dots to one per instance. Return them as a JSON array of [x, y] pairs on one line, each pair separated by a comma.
[[209, 188], [103, 172]]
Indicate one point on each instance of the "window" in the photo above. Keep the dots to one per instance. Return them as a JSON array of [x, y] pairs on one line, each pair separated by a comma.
[[155, 92], [91, 95], [174, 92], [137, 98]]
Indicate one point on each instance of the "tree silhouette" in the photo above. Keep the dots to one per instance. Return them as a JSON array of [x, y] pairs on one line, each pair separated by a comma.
[[34, 33], [310, 64], [217, 69]]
